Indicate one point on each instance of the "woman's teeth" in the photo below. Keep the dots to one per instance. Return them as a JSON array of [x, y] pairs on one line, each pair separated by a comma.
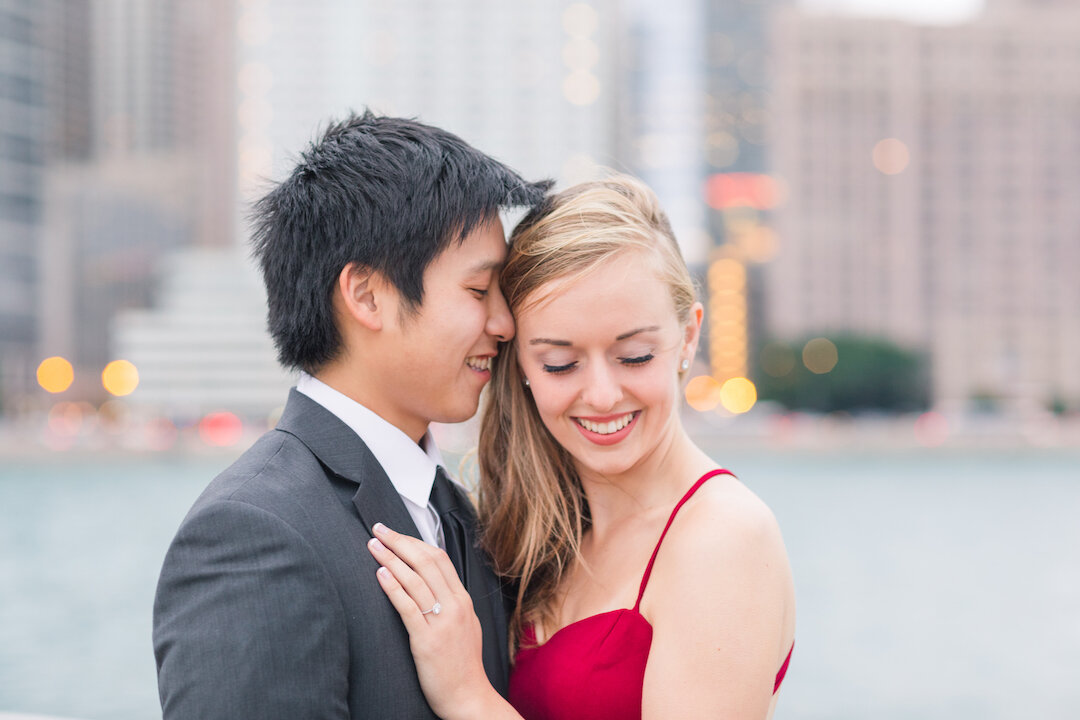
[[605, 428], [479, 363]]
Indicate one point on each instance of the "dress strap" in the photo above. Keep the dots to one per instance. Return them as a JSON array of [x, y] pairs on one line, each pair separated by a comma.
[[689, 493]]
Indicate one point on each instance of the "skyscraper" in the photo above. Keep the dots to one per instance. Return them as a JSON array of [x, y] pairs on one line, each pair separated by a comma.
[[531, 83], [22, 156], [662, 111], [930, 172], [140, 161]]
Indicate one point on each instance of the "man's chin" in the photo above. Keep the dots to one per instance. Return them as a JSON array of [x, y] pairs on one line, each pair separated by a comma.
[[459, 413]]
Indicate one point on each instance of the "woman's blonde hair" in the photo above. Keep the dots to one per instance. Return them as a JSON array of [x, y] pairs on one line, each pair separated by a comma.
[[532, 508]]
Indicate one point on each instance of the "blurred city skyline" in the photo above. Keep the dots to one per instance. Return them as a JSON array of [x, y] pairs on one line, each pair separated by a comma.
[[920, 11], [833, 169]]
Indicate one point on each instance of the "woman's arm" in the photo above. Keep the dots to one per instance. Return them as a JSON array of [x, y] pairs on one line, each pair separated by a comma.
[[721, 604], [447, 644]]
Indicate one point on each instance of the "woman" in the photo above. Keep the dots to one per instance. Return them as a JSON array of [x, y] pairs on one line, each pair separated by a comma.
[[651, 583]]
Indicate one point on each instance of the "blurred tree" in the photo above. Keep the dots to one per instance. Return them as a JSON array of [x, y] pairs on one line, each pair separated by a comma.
[[869, 374]]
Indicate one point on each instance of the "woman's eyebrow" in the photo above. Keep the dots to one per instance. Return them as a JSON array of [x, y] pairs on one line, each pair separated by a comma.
[[632, 333], [549, 341], [567, 343]]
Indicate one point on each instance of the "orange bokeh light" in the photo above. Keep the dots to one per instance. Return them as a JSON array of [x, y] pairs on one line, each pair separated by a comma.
[[891, 156], [55, 374], [703, 393], [120, 378]]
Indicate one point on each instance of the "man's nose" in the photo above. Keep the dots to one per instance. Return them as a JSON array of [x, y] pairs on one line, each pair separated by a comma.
[[500, 323]]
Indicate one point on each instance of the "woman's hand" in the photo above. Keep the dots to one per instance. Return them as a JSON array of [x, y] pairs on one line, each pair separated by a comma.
[[444, 632]]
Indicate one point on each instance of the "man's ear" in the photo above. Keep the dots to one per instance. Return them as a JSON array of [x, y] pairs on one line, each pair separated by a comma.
[[360, 291]]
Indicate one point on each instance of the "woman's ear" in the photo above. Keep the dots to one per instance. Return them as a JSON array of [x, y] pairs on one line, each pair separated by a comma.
[[693, 331], [360, 292]]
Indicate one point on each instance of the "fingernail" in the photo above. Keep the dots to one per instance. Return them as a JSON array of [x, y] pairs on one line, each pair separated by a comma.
[[383, 573], [374, 544], [379, 528]]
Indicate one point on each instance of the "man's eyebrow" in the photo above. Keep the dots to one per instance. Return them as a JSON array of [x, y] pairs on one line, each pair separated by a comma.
[[632, 333], [486, 267], [549, 341]]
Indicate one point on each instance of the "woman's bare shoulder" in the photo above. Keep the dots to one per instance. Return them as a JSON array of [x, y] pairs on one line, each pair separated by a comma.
[[724, 524]]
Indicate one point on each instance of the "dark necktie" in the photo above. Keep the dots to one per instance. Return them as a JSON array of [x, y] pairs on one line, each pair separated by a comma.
[[475, 575], [444, 501]]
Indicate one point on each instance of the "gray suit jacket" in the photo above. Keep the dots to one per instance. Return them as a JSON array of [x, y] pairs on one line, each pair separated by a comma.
[[268, 605]]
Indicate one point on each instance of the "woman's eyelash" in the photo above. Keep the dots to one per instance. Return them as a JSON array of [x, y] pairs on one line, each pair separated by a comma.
[[639, 360], [482, 292], [559, 369]]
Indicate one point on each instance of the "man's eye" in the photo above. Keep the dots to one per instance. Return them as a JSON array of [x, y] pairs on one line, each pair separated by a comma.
[[559, 369], [640, 360]]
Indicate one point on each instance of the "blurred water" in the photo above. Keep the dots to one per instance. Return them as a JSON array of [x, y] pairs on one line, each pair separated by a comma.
[[934, 585]]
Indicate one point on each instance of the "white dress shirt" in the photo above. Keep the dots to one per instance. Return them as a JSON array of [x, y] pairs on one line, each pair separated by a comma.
[[410, 467]]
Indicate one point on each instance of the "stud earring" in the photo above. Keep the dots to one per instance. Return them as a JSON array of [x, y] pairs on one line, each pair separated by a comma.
[[526, 381], [685, 365]]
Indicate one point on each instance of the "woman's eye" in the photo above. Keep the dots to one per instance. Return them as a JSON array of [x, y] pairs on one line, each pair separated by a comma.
[[559, 369], [480, 292], [639, 360]]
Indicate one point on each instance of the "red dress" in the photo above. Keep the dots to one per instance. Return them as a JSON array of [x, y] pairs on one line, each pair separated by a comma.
[[593, 669]]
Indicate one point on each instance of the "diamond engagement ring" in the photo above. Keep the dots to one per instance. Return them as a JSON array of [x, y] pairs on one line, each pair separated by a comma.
[[435, 610]]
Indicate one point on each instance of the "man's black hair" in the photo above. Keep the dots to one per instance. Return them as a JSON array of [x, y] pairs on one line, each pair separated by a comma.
[[387, 193]]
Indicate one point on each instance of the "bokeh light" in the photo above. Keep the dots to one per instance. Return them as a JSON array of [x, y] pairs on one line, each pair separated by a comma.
[[254, 28], [931, 429], [891, 156], [729, 190], [580, 20], [703, 393], [777, 360], [581, 87], [120, 378], [580, 54], [221, 429], [738, 395], [254, 79], [66, 418], [55, 374], [820, 356], [722, 149]]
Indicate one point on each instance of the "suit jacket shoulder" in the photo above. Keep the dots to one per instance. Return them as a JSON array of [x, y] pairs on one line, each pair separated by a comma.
[[268, 605]]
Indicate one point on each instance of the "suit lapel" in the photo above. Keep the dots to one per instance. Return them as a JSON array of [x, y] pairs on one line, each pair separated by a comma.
[[342, 452]]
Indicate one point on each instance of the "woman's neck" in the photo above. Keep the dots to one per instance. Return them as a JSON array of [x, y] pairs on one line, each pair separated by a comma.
[[657, 481]]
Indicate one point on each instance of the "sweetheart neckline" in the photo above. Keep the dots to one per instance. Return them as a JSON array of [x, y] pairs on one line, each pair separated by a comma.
[[532, 626]]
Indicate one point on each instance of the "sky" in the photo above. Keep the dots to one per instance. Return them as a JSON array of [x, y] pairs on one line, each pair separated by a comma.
[[923, 11]]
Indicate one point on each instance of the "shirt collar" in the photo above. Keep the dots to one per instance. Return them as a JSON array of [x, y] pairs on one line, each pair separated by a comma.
[[410, 467]]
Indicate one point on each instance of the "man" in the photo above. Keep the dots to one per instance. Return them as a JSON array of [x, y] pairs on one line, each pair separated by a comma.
[[381, 254]]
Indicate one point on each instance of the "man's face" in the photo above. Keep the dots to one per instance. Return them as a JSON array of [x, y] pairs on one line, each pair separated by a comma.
[[438, 359]]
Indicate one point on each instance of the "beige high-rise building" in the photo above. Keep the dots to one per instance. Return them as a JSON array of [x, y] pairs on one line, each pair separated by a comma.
[[140, 110], [932, 175]]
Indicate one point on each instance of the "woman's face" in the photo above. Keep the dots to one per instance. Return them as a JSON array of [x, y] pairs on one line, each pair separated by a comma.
[[602, 356]]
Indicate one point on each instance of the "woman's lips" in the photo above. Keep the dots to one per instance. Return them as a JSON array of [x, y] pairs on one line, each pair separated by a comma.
[[609, 429]]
